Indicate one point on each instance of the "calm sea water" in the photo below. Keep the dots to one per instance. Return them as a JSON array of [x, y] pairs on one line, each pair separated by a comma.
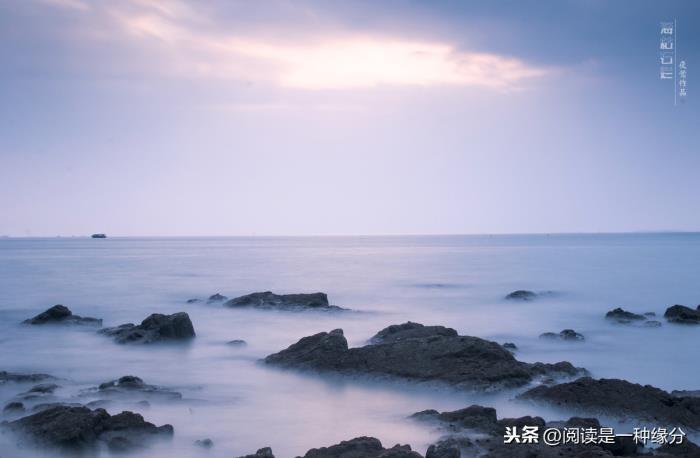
[[457, 281]]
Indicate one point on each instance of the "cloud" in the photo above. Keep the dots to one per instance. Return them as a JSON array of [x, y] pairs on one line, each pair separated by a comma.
[[190, 43]]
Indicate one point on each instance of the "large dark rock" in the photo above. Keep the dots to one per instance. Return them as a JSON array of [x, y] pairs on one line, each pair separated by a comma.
[[467, 362], [682, 315], [265, 452], [269, 300], [60, 314], [362, 447], [130, 386], [81, 428], [620, 397], [157, 327], [522, 295]]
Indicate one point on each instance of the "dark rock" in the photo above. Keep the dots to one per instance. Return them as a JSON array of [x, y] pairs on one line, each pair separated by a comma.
[[23, 378], [82, 428], [193, 301], [237, 343], [650, 314], [685, 449], [521, 295], [130, 385], [269, 300], [467, 362], [448, 448], [50, 405], [410, 330], [510, 346], [13, 407], [265, 452], [682, 315], [652, 324], [362, 447], [477, 418], [566, 334], [157, 327], [217, 298], [620, 397], [619, 314], [204, 443], [44, 388], [60, 314]]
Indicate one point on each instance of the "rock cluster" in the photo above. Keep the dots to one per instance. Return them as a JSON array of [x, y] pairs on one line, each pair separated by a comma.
[[421, 353], [60, 314]]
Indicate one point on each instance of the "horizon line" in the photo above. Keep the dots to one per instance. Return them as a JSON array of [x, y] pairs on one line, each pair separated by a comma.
[[445, 234]]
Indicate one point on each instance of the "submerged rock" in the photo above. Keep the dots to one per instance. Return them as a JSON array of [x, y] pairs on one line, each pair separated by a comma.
[[522, 295], [204, 443], [157, 327], [14, 406], [510, 346], [464, 361], [566, 334], [682, 315], [620, 397], [193, 301], [237, 343], [362, 447], [217, 298], [60, 314], [622, 315], [130, 385], [265, 452], [82, 428], [269, 300], [23, 378]]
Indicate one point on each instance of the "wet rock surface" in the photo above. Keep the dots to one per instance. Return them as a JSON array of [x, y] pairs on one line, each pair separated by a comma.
[[23, 378], [624, 316], [410, 330], [82, 428], [620, 397], [156, 328], [217, 298], [682, 315], [362, 447], [566, 334], [269, 300], [464, 361], [265, 452], [621, 316], [130, 386], [522, 295], [237, 343], [60, 314]]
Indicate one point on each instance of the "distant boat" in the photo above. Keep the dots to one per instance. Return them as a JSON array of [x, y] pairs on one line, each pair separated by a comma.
[[99, 236]]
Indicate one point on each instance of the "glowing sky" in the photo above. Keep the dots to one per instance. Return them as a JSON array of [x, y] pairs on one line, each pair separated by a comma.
[[155, 117]]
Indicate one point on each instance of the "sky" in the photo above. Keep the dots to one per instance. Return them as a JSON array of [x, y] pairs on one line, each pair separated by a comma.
[[281, 117]]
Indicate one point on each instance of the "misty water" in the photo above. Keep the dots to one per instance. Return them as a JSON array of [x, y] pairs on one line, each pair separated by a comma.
[[243, 405]]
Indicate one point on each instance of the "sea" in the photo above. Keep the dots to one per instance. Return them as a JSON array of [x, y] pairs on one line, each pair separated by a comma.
[[242, 405]]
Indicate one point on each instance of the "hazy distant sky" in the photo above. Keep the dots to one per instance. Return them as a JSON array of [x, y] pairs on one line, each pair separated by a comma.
[[155, 117]]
